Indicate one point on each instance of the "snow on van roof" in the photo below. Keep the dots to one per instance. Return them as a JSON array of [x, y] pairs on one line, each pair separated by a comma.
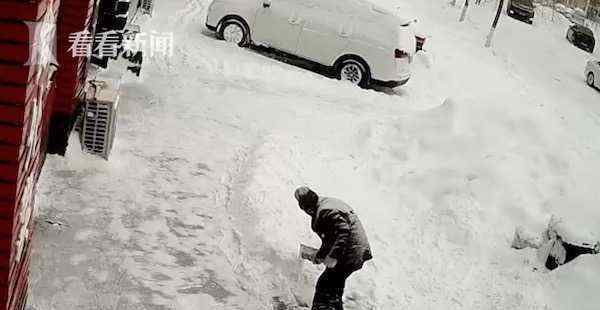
[[404, 21]]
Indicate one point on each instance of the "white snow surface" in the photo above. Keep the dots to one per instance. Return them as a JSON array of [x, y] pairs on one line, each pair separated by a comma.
[[195, 209]]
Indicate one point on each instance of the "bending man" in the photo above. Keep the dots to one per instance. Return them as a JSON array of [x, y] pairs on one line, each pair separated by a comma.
[[344, 248]]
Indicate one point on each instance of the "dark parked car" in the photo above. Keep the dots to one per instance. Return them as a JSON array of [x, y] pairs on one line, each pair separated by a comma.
[[521, 9], [582, 37]]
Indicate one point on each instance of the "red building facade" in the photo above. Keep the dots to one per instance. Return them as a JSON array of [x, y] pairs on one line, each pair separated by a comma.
[[40, 83]]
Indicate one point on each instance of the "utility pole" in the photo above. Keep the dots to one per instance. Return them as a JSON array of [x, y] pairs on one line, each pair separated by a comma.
[[463, 15], [490, 36], [587, 9]]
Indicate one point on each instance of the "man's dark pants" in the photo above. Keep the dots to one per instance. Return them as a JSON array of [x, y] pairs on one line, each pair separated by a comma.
[[330, 288]]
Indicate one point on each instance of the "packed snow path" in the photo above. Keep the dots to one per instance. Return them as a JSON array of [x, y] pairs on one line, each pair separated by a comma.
[[195, 208]]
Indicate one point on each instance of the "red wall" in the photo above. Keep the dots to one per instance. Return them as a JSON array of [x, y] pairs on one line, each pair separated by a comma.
[[26, 98], [75, 16], [37, 105]]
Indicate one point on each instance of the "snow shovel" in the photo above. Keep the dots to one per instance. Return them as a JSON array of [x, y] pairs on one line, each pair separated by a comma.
[[308, 253]]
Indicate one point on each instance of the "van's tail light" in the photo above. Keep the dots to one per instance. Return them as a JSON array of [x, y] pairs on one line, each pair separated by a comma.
[[401, 54], [420, 42]]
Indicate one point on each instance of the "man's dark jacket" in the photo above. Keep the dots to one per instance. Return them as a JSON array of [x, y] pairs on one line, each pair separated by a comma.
[[341, 233]]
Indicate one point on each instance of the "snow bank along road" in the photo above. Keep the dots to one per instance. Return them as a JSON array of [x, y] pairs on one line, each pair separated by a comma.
[[195, 209]]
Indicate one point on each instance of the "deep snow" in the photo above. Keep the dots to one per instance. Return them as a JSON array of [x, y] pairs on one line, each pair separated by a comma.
[[195, 208]]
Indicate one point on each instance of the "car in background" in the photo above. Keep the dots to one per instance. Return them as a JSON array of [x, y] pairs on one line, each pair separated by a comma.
[[521, 9], [582, 37], [362, 43], [592, 73]]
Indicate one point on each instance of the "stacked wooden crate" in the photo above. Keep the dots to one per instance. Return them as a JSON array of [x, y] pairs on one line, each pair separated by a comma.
[[27, 41]]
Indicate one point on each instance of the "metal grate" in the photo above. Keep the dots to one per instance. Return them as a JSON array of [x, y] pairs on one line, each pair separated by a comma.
[[99, 125], [148, 7]]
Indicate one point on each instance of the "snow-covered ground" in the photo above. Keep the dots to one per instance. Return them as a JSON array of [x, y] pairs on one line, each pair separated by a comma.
[[195, 208]]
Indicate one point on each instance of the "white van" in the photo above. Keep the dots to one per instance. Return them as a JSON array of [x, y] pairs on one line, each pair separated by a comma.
[[363, 43]]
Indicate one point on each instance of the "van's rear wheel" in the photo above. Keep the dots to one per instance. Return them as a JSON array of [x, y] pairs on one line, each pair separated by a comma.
[[590, 79], [234, 31], [354, 71]]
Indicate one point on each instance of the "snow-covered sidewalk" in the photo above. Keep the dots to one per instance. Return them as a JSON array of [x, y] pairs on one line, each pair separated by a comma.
[[195, 209]]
